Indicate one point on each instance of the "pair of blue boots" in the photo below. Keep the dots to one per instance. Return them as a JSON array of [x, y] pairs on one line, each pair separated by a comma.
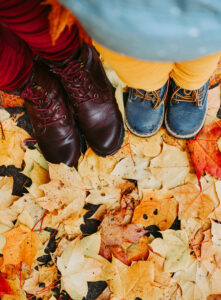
[[182, 111]]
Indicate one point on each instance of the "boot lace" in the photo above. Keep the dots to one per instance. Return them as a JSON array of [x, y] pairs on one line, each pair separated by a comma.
[[189, 96], [76, 81], [152, 96], [34, 94]]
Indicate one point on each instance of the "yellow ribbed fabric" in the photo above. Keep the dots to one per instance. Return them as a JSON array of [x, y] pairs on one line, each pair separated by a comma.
[[151, 76]]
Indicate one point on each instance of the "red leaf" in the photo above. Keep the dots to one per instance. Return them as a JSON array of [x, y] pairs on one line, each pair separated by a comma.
[[204, 151], [114, 233], [4, 286]]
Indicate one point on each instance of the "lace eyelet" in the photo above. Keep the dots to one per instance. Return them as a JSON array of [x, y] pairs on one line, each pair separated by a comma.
[[64, 117], [96, 95], [90, 86]]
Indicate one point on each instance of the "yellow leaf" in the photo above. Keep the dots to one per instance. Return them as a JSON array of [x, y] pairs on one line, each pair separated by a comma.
[[11, 152]]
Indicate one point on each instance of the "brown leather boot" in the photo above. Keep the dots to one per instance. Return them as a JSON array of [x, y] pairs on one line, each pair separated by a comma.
[[51, 117], [92, 97]]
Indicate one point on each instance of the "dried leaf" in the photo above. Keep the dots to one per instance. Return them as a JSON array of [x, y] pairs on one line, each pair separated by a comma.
[[174, 247], [171, 166], [21, 246], [156, 208], [192, 202], [11, 152], [129, 282], [76, 269], [65, 188], [204, 151]]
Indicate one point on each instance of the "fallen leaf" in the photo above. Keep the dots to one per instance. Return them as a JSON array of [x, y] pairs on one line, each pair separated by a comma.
[[172, 141], [114, 233], [10, 100], [192, 202], [171, 166], [156, 208], [38, 176], [204, 151], [77, 270], [65, 188], [4, 286], [21, 246], [6, 185], [129, 282], [174, 247], [33, 156], [127, 169], [11, 152], [150, 147]]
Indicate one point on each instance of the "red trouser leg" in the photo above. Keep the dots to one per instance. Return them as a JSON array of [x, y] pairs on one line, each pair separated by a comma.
[[16, 60], [28, 19]]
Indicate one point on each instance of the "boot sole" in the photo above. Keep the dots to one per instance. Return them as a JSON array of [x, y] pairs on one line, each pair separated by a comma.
[[116, 148]]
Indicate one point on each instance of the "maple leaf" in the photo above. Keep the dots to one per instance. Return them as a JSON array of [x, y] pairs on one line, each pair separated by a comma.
[[76, 269], [114, 233], [171, 166], [150, 146], [21, 246], [60, 17], [194, 281], [65, 188], [9, 100], [132, 282], [192, 202], [204, 151], [44, 275], [6, 185], [174, 247], [11, 152], [156, 208]]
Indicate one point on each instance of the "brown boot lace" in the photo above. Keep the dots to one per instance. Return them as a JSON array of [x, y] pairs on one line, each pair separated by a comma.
[[152, 96], [189, 96]]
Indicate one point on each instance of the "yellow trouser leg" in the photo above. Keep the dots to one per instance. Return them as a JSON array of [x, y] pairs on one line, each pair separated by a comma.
[[191, 75], [151, 76], [136, 73]]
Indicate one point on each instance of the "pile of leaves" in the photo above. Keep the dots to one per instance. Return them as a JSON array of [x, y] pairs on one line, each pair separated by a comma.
[[144, 223]]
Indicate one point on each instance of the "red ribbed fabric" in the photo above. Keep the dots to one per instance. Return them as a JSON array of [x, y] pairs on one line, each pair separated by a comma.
[[28, 22]]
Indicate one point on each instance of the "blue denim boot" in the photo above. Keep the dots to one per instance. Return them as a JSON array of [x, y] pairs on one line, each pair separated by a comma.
[[186, 111], [145, 111]]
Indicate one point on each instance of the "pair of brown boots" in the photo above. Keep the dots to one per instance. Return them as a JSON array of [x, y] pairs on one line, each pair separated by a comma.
[[63, 97]]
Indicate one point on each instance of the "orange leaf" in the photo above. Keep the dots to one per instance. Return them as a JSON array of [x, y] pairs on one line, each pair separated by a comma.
[[60, 18], [204, 151], [9, 100], [21, 246], [192, 202], [156, 208]]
